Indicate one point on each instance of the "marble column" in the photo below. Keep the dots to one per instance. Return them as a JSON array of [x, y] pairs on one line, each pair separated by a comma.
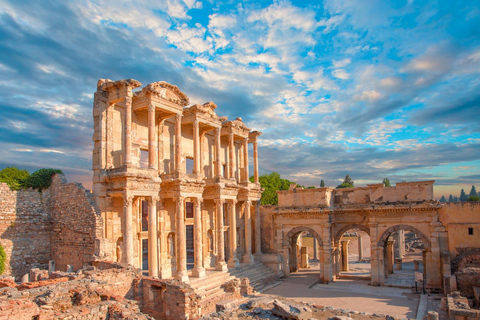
[[360, 248], [161, 165], [198, 269], [178, 143], [258, 236], [245, 158], [345, 255], [218, 161], [233, 261], [152, 237], [248, 257], [231, 155], [128, 129], [196, 148], [180, 243], [128, 229], [315, 257], [255, 161], [220, 261], [151, 138], [390, 255]]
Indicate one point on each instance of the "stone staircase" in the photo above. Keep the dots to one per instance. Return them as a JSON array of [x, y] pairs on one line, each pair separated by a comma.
[[210, 288]]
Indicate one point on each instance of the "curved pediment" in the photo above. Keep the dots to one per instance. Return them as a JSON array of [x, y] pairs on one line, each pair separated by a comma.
[[107, 84], [166, 91]]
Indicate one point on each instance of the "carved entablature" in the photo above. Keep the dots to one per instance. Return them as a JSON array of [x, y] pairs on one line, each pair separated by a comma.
[[252, 136], [237, 127], [205, 114], [166, 91], [301, 214], [117, 91]]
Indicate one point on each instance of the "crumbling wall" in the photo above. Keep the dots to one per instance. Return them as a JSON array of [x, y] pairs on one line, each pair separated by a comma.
[[267, 228], [60, 223], [25, 229], [76, 224]]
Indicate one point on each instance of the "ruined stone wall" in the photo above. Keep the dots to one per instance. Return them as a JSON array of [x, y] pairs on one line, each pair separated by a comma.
[[25, 229], [60, 223], [267, 228], [458, 217], [76, 224]]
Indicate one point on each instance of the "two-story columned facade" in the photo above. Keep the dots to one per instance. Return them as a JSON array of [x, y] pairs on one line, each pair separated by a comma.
[[172, 182]]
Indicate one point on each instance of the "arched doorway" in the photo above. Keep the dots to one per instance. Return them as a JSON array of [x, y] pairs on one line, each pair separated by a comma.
[[351, 254], [406, 254], [299, 246]]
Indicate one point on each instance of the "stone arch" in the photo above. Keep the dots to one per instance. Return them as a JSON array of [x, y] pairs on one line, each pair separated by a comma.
[[287, 241], [389, 231], [348, 227], [466, 257]]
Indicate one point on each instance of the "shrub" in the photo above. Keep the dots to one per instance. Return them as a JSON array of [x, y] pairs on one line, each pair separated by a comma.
[[41, 179], [14, 177], [474, 198], [3, 259]]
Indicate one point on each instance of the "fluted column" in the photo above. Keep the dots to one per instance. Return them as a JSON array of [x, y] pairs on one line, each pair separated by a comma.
[[178, 143], [196, 147], [151, 137], [218, 163], [220, 261], [180, 243], [198, 269], [152, 237], [255, 160], [128, 129], [232, 213], [231, 155], [248, 257], [128, 228], [258, 239], [245, 158]]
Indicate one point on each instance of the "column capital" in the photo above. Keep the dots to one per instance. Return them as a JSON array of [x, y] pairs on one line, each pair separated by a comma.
[[197, 201], [219, 201], [196, 123], [151, 108], [179, 199], [178, 116], [248, 202], [128, 199], [128, 100], [153, 199]]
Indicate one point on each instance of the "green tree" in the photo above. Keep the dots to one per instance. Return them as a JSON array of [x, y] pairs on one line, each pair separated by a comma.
[[473, 192], [463, 196], [450, 198], [386, 182], [41, 179], [271, 183], [322, 184], [442, 199], [347, 183], [3, 259], [14, 177], [474, 198]]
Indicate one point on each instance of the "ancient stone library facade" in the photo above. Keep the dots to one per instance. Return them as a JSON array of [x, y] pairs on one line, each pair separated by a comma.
[[172, 199], [172, 183]]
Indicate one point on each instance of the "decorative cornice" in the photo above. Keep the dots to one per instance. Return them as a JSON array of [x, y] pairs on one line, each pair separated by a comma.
[[166, 91]]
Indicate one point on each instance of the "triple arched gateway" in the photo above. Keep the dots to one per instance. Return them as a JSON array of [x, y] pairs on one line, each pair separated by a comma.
[[327, 222]]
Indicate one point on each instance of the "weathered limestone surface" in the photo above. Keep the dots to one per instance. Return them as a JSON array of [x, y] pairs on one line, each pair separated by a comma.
[[61, 223]]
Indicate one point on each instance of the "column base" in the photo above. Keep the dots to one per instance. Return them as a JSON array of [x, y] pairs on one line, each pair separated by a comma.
[[181, 276], [153, 274], [199, 272], [248, 258], [233, 263], [258, 256], [166, 272], [221, 266]]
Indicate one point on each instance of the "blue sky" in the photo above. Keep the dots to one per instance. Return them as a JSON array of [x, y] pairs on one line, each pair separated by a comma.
[[368, 88]]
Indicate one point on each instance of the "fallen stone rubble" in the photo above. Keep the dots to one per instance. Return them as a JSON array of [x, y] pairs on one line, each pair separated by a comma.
[[267, 307]]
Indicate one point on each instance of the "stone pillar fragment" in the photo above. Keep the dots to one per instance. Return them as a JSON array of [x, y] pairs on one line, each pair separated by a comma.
[[360, 248], [128, 229], [220, 262], [390, 255], [248, 257], [345, 255], [258, 236], [152, 238], [233, 261], [198, 269], [180, 243], [315, 257]]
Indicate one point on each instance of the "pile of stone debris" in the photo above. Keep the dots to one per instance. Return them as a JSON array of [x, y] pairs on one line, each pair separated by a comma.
[[276, 308]]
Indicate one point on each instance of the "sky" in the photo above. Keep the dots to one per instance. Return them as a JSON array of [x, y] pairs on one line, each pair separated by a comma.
[[371, 88]]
